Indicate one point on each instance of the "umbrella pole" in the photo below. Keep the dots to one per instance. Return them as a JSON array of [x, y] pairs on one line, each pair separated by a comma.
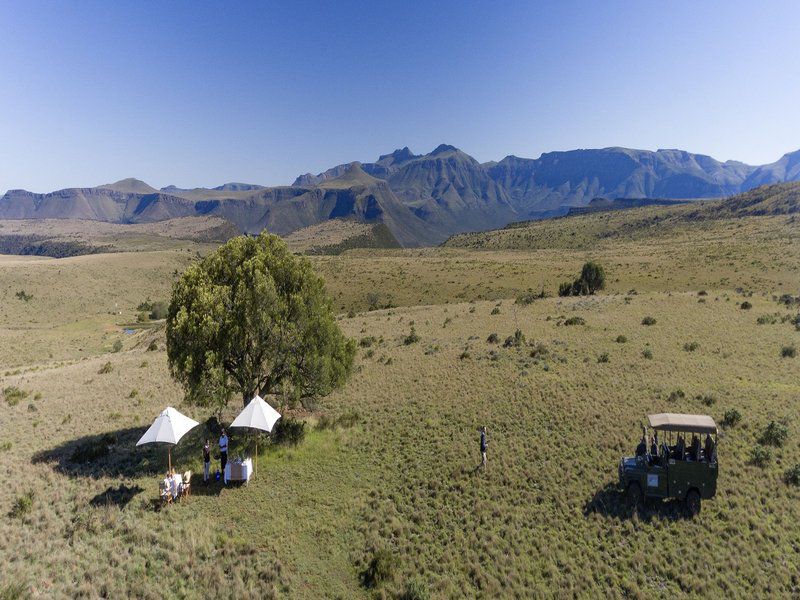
[[169, 459]]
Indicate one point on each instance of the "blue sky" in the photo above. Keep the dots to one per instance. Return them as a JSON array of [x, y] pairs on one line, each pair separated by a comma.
[[200, 93]]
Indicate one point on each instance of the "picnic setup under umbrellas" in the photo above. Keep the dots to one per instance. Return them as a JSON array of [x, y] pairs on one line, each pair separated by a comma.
[[171, 425]]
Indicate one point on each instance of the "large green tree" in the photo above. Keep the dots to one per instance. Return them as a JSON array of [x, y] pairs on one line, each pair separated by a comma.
[[253, 318]]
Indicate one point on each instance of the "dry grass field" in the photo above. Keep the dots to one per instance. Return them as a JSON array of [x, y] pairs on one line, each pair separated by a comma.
[[396, 484]]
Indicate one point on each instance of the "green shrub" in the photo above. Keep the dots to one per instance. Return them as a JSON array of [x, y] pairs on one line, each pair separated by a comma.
[[647, 353], [5, 446], [767, 319], [621, 339], [702, 293], [529, 297], [603, 358], [13, 395], [760, 456], [411, 338], [493, 338], [380, 569], [24, 296], [22, 505], [289, 431], [415, 590], [775, 434], [592, 279], [366, 342], [707, 399], [648, 321], [731, 418], [745, 305], [464, 355], [117, 346], [515, 341], [539, 350], [142, 317], [691, 346], [106, 368], [565, 289], [152, 346], [575, 321], [788, 351], [495, 311], [676, 395], [792, 475], [159, 310]]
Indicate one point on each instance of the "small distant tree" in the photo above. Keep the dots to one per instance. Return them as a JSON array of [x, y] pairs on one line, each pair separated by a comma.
[[592, 279], [253, 318], [593, 276]]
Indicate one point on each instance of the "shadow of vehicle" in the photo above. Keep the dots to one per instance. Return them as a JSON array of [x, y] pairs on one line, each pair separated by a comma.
[[119, 496], [609, 502]]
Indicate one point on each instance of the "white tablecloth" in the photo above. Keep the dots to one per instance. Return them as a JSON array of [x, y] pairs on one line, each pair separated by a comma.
[[247, 470]]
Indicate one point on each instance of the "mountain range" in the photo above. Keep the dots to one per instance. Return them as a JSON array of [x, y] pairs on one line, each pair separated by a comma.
[[421, 198]]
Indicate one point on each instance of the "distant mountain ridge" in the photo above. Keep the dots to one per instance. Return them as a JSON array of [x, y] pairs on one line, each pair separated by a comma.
[[421, 198]]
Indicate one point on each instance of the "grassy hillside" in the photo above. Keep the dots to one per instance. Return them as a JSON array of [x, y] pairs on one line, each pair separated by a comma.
[[396, 481]]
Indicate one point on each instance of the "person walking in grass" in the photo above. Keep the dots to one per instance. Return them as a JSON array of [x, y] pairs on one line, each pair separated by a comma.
[[206, 461], [223, 454], [484, 443]]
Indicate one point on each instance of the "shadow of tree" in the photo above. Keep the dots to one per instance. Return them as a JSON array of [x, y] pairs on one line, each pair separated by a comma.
[[609, 502], [119, 496]]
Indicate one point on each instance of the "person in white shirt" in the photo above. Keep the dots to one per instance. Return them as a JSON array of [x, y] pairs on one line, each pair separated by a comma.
[[223, 454]]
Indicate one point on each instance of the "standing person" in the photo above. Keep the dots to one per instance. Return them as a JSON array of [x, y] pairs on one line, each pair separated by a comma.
[[484, 443], [223, 454], [206, 461]]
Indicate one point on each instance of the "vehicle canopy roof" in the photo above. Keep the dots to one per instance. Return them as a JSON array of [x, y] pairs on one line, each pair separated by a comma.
[[676, 422]]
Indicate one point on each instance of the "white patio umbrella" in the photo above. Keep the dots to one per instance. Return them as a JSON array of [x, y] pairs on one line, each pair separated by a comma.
[[257, 415], [169, 427]]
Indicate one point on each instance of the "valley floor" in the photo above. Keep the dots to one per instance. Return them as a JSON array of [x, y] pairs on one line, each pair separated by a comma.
[[400, 479]]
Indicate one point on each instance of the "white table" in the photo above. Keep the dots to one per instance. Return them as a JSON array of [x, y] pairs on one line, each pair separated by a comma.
[[239, 471]]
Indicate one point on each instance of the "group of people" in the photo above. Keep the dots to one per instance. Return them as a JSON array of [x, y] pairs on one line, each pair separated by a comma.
[[678, 451], [223, 458], [174, 486]]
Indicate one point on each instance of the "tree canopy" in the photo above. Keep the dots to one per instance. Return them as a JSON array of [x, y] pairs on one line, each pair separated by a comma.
[[253, 318]]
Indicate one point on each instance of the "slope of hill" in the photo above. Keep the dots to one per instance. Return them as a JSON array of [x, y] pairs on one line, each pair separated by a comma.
[[338, 235], [586, 230]]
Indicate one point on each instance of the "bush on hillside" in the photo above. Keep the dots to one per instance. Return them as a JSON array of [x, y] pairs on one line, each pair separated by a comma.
[[575, 321], [788, 351], [411, 338], [731, 418], [648, 321], [792, 475], [380, 569], [760, 456], [22, 505], [289, 431], [775, 434], [745, 305]]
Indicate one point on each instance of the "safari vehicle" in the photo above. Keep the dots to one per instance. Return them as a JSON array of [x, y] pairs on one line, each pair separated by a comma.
[[677, 470]]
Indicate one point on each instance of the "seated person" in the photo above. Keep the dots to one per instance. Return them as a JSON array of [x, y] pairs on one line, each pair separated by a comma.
[[680, 448], [654, 446], [641, 449], [174, 485], [694, 450], [665, 452], [709, 449], [164, 488]]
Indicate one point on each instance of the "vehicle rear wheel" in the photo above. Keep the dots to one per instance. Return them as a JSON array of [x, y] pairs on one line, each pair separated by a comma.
[[693, 503], [634, 494]]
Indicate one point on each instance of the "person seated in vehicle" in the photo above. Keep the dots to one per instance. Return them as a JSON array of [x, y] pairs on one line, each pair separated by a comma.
[[680, 448], [709, 449], [694, 450], [654, 446], [641, 449], [665, 453]]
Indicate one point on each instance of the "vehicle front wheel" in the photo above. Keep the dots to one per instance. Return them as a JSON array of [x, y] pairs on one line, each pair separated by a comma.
[[634, 495], [693, 503]]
